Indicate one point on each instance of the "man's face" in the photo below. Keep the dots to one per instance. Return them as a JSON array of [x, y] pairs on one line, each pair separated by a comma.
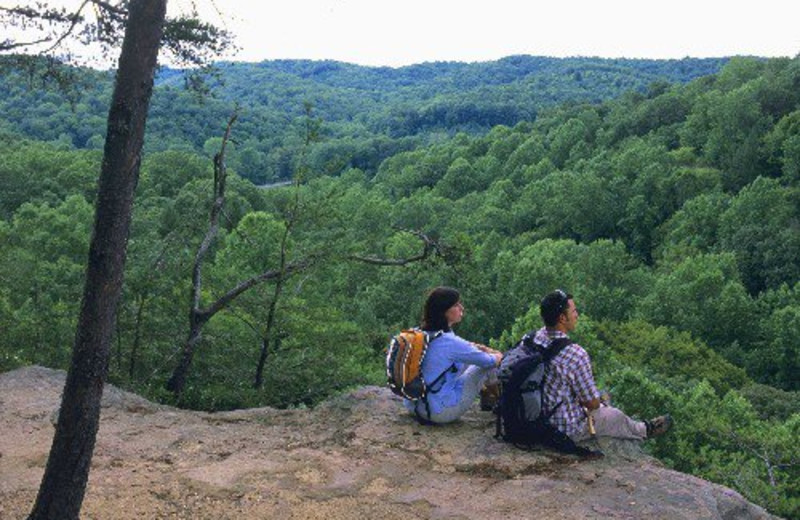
[[569, 319]]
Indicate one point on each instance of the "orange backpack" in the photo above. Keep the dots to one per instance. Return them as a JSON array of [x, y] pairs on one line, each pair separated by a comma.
[[404, 362]]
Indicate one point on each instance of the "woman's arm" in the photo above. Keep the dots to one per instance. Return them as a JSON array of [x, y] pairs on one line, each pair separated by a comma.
[[472, 354]]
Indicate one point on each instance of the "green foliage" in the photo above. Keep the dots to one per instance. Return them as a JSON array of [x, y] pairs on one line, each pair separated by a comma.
[[387, 110], [601, 274], [769, 402], [719, 438], [761, 228], [732, 446], [670, 212], [643, 397], [702, 295], [777, 361], [40, 172], [42, 264], [692, 230], [319, 355], [664, 351], [164, 174], [254, 246]]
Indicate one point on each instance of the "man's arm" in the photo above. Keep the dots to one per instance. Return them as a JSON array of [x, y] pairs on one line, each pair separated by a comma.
[[583, 381]]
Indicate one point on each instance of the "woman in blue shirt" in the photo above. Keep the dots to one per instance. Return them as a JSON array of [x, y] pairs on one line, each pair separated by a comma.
[[455, 368]]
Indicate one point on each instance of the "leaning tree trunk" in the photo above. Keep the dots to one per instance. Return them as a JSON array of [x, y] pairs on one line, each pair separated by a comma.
[[177, 381], [198, 317], [268, 334], [64, 483], [273, 306], [137, 337]]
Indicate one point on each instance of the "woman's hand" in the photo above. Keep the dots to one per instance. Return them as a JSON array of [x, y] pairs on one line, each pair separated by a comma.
[[488, 350], [498, 357]]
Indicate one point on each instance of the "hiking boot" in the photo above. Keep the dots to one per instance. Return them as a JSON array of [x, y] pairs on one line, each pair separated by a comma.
[[490, 394], [658, 426]]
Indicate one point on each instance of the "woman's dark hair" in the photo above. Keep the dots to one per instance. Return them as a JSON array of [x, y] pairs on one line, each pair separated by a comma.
[[553, 305], [436, 305]]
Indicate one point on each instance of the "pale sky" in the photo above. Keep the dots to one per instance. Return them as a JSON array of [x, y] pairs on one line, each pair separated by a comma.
[[396, 33]]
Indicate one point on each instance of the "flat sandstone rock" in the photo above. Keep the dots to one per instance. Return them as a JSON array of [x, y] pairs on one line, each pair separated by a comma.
[[357, 456]]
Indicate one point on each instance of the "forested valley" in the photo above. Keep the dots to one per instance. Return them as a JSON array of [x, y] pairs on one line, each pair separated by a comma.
[[665, 195]]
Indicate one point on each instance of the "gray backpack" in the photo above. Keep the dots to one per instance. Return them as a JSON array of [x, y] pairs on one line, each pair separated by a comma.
[[521, 418]]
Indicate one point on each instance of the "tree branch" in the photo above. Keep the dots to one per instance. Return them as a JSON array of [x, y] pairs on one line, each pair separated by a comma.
[[246, 285], [9, 45], [75, 20], [220, 172], [108, 7], [429, 247], [187, 38]]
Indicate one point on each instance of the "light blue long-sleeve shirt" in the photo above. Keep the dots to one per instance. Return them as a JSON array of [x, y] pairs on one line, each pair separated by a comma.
[[444, 352]]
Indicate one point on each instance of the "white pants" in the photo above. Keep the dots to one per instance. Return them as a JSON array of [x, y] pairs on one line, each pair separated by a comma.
[[473, 379]]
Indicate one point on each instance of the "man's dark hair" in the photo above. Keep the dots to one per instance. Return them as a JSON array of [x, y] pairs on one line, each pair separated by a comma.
[[554, 305]]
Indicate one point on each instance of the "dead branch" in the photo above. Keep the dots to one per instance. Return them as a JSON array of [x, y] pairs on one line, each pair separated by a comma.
[[429, 247], [75, 20], [220, 173], [246, 285]]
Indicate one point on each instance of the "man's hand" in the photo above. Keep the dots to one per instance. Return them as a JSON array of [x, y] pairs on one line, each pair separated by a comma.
[[594, 404]]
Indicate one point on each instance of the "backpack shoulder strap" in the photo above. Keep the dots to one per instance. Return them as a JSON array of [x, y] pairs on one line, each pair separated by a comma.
[[433, 335], [555, 347], [527, 340], [430, 386], [452, 368]]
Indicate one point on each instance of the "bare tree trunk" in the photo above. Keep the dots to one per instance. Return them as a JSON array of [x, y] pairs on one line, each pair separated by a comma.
[[273, 306], [177, 381], [262, 362], [64, 483], [268, 333], [199, 316], [196, 321], [137, 336], [119, 341]]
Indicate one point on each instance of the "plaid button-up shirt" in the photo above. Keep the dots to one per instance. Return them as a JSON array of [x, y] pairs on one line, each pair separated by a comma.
[[569, 382]]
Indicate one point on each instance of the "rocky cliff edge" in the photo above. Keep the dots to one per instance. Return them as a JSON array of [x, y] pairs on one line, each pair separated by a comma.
[[357, 456]]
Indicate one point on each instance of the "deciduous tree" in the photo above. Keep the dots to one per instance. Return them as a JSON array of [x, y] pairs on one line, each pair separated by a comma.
[[143, 23]]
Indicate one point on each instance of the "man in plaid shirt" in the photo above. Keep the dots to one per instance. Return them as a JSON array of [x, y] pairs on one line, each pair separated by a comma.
[[570, 392]]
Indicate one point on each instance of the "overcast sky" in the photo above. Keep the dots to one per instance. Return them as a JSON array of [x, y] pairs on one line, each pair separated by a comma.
[[396, 33]]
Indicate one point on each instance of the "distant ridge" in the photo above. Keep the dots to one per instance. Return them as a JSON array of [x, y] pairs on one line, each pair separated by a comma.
[[367, 113]]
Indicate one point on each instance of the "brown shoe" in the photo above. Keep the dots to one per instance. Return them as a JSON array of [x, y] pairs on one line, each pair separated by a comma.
[[658, 426], [490, 394]]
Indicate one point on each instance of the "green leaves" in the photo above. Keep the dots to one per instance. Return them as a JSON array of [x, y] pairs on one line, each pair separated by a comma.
[[761, 228], [702, 295]]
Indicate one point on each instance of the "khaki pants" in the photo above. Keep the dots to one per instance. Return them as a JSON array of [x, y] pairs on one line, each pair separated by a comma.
[[612, 422]]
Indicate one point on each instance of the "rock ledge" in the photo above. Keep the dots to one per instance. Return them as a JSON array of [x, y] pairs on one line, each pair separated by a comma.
[[357, 456]]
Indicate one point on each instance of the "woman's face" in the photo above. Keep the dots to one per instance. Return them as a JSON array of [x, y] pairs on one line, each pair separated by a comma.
[[454, 314]]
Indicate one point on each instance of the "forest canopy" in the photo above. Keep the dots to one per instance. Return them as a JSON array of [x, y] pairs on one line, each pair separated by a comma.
[[662, 194], [368, 113]]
